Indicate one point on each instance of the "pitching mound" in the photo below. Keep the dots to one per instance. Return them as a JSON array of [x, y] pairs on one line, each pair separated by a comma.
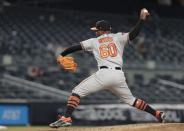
[[132, 127]]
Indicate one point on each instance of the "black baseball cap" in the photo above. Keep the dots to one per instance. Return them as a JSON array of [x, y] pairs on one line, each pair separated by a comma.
[[102, 25]]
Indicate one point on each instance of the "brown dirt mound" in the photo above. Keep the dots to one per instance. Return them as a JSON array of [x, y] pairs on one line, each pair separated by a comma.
[[131, 127]]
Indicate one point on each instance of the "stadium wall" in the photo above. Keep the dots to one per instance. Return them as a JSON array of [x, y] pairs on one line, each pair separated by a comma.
[[43, 113]]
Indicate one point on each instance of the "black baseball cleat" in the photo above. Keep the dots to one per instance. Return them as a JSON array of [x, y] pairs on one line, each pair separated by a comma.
[[61, 122], [161, 116]]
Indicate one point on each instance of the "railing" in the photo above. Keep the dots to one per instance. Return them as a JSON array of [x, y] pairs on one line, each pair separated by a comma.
[[42, 89], [172, 84]]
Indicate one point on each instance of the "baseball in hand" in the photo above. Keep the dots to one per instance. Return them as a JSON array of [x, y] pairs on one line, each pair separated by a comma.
[[144, 13], [145, 10]]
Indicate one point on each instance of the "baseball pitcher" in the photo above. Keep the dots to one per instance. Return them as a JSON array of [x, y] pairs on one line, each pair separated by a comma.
[[107, 49]]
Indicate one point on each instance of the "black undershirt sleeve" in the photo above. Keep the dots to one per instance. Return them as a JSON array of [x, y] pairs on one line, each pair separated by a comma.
[[71, 50], [135, 31]]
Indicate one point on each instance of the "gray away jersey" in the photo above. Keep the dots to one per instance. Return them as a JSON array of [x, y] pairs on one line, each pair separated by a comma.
[[108, 48]]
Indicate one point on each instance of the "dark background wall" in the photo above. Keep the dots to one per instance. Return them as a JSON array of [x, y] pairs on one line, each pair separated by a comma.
[[174, 9]]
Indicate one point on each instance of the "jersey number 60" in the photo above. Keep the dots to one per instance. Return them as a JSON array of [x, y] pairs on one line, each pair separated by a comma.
[[108, 50]]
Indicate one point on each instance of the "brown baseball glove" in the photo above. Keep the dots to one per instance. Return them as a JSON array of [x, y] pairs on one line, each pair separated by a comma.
[[67, 63]]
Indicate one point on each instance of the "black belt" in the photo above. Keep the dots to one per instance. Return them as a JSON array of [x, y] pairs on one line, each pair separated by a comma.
[[116, 68]]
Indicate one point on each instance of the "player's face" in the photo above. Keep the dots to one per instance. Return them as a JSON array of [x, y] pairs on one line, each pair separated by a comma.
[[99, 32]]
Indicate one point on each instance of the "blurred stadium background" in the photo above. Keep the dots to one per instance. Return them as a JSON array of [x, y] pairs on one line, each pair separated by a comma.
[[33, 89]]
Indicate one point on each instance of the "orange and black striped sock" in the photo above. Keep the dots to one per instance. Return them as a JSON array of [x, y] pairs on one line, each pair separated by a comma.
[[73, 103], [142, 105]]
